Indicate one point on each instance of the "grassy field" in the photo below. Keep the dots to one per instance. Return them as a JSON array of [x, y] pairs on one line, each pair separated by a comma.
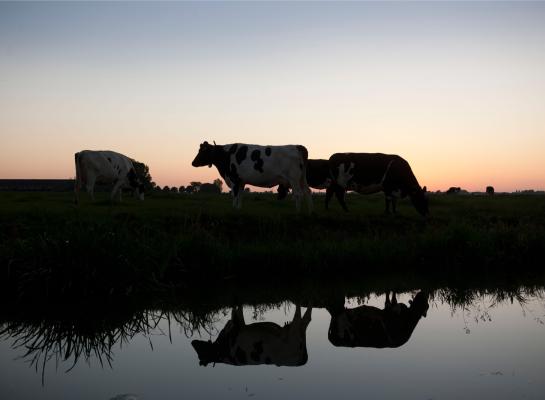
[[49, 247]]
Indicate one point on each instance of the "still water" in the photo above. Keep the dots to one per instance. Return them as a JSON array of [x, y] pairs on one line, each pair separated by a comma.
[[413, 345]]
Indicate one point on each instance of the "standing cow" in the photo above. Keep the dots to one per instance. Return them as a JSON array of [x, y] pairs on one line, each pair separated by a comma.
[[367, 326], [106, 167], [263, 166], [368, 173], [258, 343]]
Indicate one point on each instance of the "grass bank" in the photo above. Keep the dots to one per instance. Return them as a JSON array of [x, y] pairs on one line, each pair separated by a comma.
[[50, 248]]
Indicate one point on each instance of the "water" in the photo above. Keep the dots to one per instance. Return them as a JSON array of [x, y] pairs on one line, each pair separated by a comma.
[[487, 346]]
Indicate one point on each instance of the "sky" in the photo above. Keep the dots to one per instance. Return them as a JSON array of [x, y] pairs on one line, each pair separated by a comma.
[[457, 89]]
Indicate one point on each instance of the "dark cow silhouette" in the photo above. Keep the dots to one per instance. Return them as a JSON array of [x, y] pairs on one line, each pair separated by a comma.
[[367, 326], [318, 177], [258, 343], [368, 173]]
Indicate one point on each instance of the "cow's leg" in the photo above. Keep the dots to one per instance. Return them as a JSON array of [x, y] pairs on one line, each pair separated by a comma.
[[328, 194], [388, 200], [387, 302], [297, 194], [237, 316], [117, 187], [394, 203], [90, 186], [340, 194], [307, 316], [239, 195], [77, 188], [308, 197]]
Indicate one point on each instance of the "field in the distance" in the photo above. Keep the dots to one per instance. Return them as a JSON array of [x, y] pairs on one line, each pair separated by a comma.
[[50, 247]]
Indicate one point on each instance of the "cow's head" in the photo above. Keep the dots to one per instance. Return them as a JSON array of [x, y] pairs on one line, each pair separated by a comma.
[[206, 350], [205, 156], [136, 184], [419, 304], [420, 201]]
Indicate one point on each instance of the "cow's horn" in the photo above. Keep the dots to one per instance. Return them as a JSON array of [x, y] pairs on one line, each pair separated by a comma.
[[214, 142]]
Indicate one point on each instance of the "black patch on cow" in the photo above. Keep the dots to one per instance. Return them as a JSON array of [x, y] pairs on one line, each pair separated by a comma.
[[241, 154], [256, 156], [268, 151], [255, 354], [240, 356], [233, 148]]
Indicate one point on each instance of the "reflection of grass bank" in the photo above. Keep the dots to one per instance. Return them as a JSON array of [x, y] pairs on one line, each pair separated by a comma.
[[50, 248], [93, 332]]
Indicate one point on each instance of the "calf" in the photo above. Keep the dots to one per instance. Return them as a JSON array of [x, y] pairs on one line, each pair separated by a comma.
[[263, 166], [367, 326], [258, 343], [368, 173], [106, 167]]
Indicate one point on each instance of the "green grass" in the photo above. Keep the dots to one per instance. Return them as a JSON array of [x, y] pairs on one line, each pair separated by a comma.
[[49, 247]]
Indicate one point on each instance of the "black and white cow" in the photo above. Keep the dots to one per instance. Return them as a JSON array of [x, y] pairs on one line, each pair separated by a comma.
[[367, 326], [258, 343], [106, 167], [368, 173], [263, 166]]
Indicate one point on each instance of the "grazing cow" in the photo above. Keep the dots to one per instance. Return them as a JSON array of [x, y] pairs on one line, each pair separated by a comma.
[[367, 326], [105, 167], [258, 343], [368, 173], [264, 166]]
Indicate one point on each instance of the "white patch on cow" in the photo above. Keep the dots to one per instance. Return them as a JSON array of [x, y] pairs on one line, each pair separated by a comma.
[[345, 174], [285, 165]]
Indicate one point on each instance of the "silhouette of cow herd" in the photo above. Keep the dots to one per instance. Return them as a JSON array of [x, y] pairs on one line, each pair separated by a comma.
[[259, 343], [287, 167]]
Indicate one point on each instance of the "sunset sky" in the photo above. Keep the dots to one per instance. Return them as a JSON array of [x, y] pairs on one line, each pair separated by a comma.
[[457, 89]]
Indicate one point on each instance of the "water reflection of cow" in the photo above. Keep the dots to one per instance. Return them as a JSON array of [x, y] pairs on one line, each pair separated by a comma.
[[367, 326], [257, 343]]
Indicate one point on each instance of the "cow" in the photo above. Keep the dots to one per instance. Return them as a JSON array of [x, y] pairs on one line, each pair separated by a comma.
[[368, 173], [107, 167], [263, 166], [367, 326], [257, 343]]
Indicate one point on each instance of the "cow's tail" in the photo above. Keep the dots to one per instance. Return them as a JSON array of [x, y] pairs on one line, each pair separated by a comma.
[[79, 178], [303, 152]]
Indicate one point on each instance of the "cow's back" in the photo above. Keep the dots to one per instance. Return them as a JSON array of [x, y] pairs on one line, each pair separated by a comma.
[[106, 165], [266, 165]]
